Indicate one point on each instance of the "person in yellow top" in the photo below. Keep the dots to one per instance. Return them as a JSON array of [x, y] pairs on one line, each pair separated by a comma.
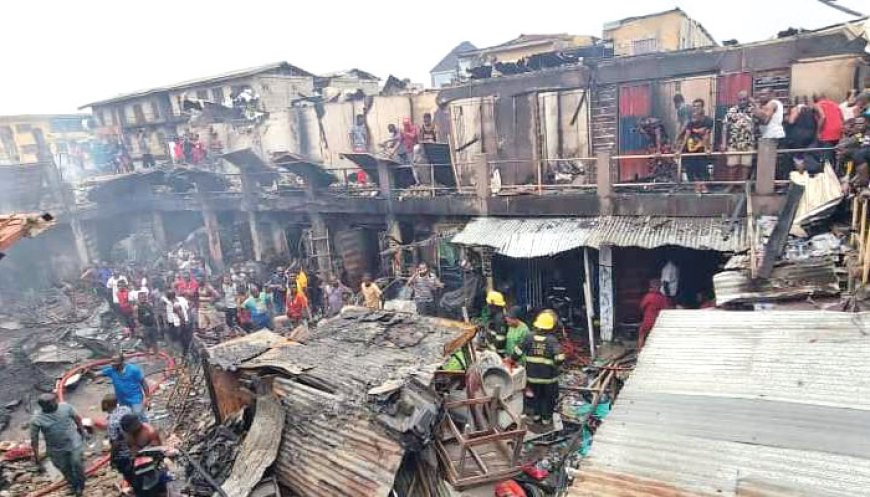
[[371, 292], [301, 281]]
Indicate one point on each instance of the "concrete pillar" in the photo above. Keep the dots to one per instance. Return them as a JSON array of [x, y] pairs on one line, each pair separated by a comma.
[[81, 241], [385, 180], [606, 292], [604, 182], [766, 169], [212, 229], [249, 205], [159, 230], [279, 239]]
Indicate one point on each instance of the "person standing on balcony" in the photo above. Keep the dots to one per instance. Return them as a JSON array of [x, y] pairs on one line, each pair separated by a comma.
[[410, 137], [428, 133], [696, 138], [738, 135], [684, 111], [359, 137], [769, 113], [830, 124]]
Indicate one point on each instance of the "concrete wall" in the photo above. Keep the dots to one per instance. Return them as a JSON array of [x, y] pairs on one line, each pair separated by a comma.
[[672, 31]]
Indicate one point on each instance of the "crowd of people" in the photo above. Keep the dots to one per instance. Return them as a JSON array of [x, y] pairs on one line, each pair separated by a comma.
[[808, 123]]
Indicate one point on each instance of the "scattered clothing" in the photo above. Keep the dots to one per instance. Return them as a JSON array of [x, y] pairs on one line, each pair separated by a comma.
[[259, 308]]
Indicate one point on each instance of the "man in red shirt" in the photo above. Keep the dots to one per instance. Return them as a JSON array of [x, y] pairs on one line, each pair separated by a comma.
[[651, 305], [125, 307], [830, 123]]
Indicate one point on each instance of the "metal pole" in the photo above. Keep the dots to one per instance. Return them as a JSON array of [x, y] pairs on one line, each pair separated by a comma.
[[199, 469], [587, 294]]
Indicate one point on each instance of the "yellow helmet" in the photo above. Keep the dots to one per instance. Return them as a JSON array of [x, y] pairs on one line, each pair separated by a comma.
[[546, 320], [495, 298]]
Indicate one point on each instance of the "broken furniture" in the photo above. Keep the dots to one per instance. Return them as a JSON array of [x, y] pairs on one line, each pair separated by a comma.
[[485, 453]]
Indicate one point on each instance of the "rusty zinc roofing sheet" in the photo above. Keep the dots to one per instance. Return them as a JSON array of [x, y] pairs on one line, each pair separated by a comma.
[[258, 450], [230, 354], [740, 404], [14, 227], [332, 446], [544, 236]]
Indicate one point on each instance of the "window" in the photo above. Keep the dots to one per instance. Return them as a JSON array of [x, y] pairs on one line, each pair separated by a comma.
[[102, 117], [217, 95], [29, 149], [122, 115], [646, 45], [23, 128], [138, 114], [202, 94], [236, 90], [155, 111]]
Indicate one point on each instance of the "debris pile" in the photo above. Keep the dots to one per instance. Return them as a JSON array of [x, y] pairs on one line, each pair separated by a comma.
[[215, 452]]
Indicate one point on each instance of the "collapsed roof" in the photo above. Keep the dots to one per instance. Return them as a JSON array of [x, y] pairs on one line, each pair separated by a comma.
[[355, 392]]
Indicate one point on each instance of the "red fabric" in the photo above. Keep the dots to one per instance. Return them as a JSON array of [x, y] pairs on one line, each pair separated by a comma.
[[187, 289], [409, 135], [509, 488], [17, 453], [650, 306], [833, 128], [297, 307], [124, 301]]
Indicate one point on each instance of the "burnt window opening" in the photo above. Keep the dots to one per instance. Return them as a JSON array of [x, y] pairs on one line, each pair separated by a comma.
[[202, 94], [138, 114], [217, 94], [155, 110]]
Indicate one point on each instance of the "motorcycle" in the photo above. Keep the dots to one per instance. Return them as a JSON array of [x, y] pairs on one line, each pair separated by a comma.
[[151, 477]]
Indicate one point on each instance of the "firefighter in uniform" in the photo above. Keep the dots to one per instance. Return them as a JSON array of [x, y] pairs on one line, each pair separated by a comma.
[[496, 327], [543, 356]]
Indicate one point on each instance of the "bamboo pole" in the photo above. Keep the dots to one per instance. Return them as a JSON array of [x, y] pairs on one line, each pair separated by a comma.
[[862, 234], [750, 226]]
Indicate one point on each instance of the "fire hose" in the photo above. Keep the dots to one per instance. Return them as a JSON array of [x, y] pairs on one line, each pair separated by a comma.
[[59, 389]]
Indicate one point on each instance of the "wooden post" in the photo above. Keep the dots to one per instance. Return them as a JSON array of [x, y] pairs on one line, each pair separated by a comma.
[[862, 237], [766, 169], [590, 308], [605, 292], [482, 177], [604, 182]]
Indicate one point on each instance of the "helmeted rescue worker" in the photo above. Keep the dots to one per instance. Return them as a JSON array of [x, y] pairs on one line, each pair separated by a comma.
[[543, 356], [496, 327]]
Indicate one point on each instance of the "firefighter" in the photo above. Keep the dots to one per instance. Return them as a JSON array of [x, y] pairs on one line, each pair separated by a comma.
[[496, 326], [543, 356]]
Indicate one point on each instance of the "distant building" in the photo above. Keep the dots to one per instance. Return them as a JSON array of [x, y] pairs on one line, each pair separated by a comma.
[[347, 82], [660, 32], [65, 136], [449, 70], [524, 46], [159, 112]]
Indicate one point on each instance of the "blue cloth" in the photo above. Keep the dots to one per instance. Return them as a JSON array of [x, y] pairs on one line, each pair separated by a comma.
[[104, 275], [127, 383]]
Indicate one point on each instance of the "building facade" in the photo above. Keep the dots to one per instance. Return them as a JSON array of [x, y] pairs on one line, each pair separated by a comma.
[[659, 32], [159, 115], [66, 136]]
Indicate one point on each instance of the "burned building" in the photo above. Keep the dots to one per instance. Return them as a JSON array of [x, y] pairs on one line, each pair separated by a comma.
[[515, 150]]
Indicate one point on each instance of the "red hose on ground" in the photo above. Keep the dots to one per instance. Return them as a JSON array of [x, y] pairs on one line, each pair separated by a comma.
[[103, 460]]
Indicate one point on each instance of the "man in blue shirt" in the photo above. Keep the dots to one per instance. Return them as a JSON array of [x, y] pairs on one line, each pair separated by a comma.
[[129, 383]]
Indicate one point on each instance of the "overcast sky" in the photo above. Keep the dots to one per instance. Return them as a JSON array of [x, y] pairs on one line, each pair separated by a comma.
[[58, 55]]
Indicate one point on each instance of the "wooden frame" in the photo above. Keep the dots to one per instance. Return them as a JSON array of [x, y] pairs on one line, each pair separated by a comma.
[[486, 411]]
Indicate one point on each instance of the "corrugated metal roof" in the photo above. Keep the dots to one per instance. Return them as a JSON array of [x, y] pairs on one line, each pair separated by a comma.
[[258, 450], [14, 227], [792, 280], [726, 403], [230, 354], [332, 445], [540, 237], [528, 237], [700, 233]]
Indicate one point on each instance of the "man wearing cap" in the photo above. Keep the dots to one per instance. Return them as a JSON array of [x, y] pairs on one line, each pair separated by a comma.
[[543, 356], [517, 330], [62, 428], [496, 327]]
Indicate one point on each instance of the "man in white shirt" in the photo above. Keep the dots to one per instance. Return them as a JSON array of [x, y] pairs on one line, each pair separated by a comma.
[[670, 279], [178, 318], [112, 285], [769, 113]]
